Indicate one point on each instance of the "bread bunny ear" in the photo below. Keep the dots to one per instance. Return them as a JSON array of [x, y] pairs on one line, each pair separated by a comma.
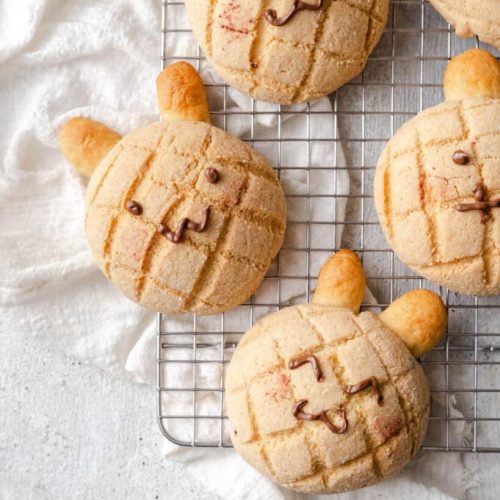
[[341, 281], [85, 143], [472, 74], [181, 94], [419, 318]]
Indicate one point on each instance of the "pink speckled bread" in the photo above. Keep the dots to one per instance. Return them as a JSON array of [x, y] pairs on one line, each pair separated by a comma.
[[437, 184], [279, 53], [322, 399]]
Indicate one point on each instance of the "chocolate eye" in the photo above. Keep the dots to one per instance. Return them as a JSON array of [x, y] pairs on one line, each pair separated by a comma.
[[134, 207], [460, 157], [212, 175]]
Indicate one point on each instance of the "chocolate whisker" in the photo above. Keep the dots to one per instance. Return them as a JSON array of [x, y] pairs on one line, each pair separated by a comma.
[[308, 358], [480, 204], [371, 381], [322, 416]]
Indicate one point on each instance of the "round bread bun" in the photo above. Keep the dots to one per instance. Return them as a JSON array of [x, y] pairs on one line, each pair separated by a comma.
[[159, 175], [418, 187], [312, 54], [373, 440], [473, 17]]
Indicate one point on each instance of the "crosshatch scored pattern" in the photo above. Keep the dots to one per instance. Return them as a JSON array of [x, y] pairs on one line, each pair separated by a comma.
[[403, 76]]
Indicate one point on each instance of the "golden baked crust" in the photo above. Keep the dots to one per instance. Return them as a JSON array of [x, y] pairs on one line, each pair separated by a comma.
[[341, 281], [181, 94], [85, 142], [310, 56], [418, 318], [473, 74], [418, 185], [163, 168], [473, 17], [261, 392]]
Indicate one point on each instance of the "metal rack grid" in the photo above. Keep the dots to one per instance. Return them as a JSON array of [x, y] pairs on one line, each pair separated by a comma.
[[403, 76]]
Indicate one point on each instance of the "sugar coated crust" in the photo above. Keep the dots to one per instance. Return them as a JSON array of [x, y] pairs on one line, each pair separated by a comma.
[[163, 168], [262, 391], [418, 186], [311, 55]]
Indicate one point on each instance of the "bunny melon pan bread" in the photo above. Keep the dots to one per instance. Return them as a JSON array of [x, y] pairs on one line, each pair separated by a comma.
[[437, 184], [180, 215], [322, 399], [287, 51]]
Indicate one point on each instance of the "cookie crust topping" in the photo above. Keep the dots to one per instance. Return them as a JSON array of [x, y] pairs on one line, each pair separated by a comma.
[[272, 17], [184, 225]]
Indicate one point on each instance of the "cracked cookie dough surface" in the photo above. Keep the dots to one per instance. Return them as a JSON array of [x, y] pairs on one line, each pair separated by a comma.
[[163, 173], [311, 55], [418, 186], [262, 392]]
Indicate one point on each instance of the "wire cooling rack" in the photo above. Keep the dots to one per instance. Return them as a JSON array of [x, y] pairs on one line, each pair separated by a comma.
[[403, 76]]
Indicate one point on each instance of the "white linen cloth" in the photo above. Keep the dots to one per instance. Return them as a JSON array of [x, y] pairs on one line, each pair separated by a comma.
[[99, 59]]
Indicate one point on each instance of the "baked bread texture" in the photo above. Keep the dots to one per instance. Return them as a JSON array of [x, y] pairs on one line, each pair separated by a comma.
[[180, 215], [437, 184], [473, 17], [323, 400], [286, 51]]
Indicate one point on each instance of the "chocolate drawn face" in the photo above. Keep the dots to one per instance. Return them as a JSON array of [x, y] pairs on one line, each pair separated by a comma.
[[341, 412], [135, 208]]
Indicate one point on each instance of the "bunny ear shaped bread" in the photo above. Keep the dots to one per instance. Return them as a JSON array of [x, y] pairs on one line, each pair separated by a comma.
[[180, 95], [180, 215], [437, 184], [324, 400]]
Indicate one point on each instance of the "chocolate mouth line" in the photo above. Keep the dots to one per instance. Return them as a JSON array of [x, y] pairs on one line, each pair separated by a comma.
[[272, 17], [322, 416], [184, 225], [480, 204]]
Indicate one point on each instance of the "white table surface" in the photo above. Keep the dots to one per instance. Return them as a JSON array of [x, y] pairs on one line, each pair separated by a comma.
[[68, 430]]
